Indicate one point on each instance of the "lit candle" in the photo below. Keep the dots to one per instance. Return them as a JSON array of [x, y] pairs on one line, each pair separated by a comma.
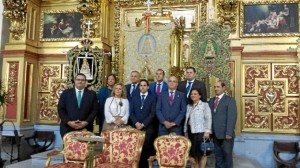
[[210, 10], [113, 53]]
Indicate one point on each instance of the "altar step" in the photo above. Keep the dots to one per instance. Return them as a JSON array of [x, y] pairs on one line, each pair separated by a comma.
[[38, 161]]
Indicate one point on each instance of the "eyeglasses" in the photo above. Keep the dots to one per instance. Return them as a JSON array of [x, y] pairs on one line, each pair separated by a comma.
[[172, 81], [80, 79]]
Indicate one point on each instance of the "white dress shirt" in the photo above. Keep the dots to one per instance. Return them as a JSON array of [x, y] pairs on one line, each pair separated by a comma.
[[112, 109]]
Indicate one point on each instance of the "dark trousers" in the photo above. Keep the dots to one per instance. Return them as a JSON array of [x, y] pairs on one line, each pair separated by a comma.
[[223, 153], [148, 148]]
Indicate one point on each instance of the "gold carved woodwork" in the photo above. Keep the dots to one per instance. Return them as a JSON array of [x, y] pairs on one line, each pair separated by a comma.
[[52, 82], [13, 70], [251, 73], [271, 98], [121, 9], [289, 121], [91, 10], [47, 72], [290, 73], [227, 13], [15, 10]]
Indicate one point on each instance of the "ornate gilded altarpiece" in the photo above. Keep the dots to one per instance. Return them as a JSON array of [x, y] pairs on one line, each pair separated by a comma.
[[56, 77], [270, 97], [175, 19], [210, 56]]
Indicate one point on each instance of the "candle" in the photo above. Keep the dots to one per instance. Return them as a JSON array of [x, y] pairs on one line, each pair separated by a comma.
[[113, 53], [210, 10]]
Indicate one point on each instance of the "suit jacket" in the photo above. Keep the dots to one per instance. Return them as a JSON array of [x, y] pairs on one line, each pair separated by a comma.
[[136, 92], [68, 109], [152, 88], [172, 113], [197, 84], [143, 115], [224, 118]]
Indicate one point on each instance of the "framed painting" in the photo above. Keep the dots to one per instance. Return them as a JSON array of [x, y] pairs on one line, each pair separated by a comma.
[[85, 65], [61, 25], [269, 18]]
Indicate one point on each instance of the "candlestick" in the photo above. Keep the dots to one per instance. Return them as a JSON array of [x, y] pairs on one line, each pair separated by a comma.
[[113, 58]]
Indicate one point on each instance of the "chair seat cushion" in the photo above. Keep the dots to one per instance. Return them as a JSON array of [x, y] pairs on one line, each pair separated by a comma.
[[113, 165], [66, 165]]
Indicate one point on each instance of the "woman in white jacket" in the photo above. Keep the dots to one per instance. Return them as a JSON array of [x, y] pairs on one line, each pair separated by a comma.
[[197, 125], [116, 108]]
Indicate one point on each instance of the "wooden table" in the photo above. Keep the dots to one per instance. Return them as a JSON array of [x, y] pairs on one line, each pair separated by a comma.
[[92, 142]]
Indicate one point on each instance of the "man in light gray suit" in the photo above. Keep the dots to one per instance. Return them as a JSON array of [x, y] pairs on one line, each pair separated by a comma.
[[224, 115]]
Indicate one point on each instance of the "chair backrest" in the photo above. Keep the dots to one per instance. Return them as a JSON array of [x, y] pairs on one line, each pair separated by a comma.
[[75, 151], [286, 147], [172, 150], [41, 140], [124, 146]]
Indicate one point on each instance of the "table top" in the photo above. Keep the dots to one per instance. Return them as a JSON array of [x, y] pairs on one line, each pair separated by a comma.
[[11, 134], [90, 139]]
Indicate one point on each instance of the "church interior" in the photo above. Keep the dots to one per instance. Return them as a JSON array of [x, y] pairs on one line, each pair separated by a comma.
[[254, 46]]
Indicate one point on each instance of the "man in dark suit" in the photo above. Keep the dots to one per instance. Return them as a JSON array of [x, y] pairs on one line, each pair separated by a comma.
[[160, 85], [133, 88], [224, 115], [142, 114], [77, 107], [191, 82], [171, 109]]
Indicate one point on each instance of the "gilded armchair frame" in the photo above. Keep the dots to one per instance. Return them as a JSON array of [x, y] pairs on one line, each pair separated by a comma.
[[172, 137]]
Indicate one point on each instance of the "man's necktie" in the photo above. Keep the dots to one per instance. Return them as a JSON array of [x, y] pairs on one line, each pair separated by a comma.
[[171, 98], [79, 98], [216, 102], [142, 100], [158, 89], [133, 89], [188, 88]]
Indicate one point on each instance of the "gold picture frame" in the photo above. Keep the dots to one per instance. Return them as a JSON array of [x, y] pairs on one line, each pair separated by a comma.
[[61, 25], [270, 18]]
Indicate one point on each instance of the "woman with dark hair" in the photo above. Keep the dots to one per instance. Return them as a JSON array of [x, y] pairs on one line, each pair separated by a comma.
[[102, 95], [197, 125], [116, 109]]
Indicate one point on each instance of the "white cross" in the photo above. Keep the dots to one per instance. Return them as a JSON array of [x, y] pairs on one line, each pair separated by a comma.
[[89, 23], [148, 3]]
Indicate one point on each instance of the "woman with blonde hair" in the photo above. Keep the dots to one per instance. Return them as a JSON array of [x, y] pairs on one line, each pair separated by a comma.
[[116, 108]]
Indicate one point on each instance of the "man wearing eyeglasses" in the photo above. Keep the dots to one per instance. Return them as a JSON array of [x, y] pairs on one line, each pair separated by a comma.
[[77, 107], [171, 109]]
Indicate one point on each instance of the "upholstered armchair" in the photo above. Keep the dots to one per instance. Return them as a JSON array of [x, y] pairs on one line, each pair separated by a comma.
[[75, 152], [122, 148], [172, 151]]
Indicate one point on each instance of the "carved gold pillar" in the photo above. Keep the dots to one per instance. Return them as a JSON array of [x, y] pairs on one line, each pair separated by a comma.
[[235, 81], [19, 77]]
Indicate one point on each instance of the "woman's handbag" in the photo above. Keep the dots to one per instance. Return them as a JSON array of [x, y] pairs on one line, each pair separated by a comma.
[[207, 145]]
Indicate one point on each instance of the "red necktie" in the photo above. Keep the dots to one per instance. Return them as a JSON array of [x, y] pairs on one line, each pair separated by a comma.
[[216, 102], [158, 88], [171, 98]]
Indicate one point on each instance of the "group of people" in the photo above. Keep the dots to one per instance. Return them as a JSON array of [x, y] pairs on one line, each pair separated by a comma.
[[158, 108]]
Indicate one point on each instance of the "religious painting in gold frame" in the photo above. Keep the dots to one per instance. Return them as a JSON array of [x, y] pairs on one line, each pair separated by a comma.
[[270, 18], [61, 25], [130, 13]]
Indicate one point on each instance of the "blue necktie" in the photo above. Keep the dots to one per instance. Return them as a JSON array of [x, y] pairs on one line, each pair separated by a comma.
[[79, 98], [133, 89], [188, 88], [142, 100]]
